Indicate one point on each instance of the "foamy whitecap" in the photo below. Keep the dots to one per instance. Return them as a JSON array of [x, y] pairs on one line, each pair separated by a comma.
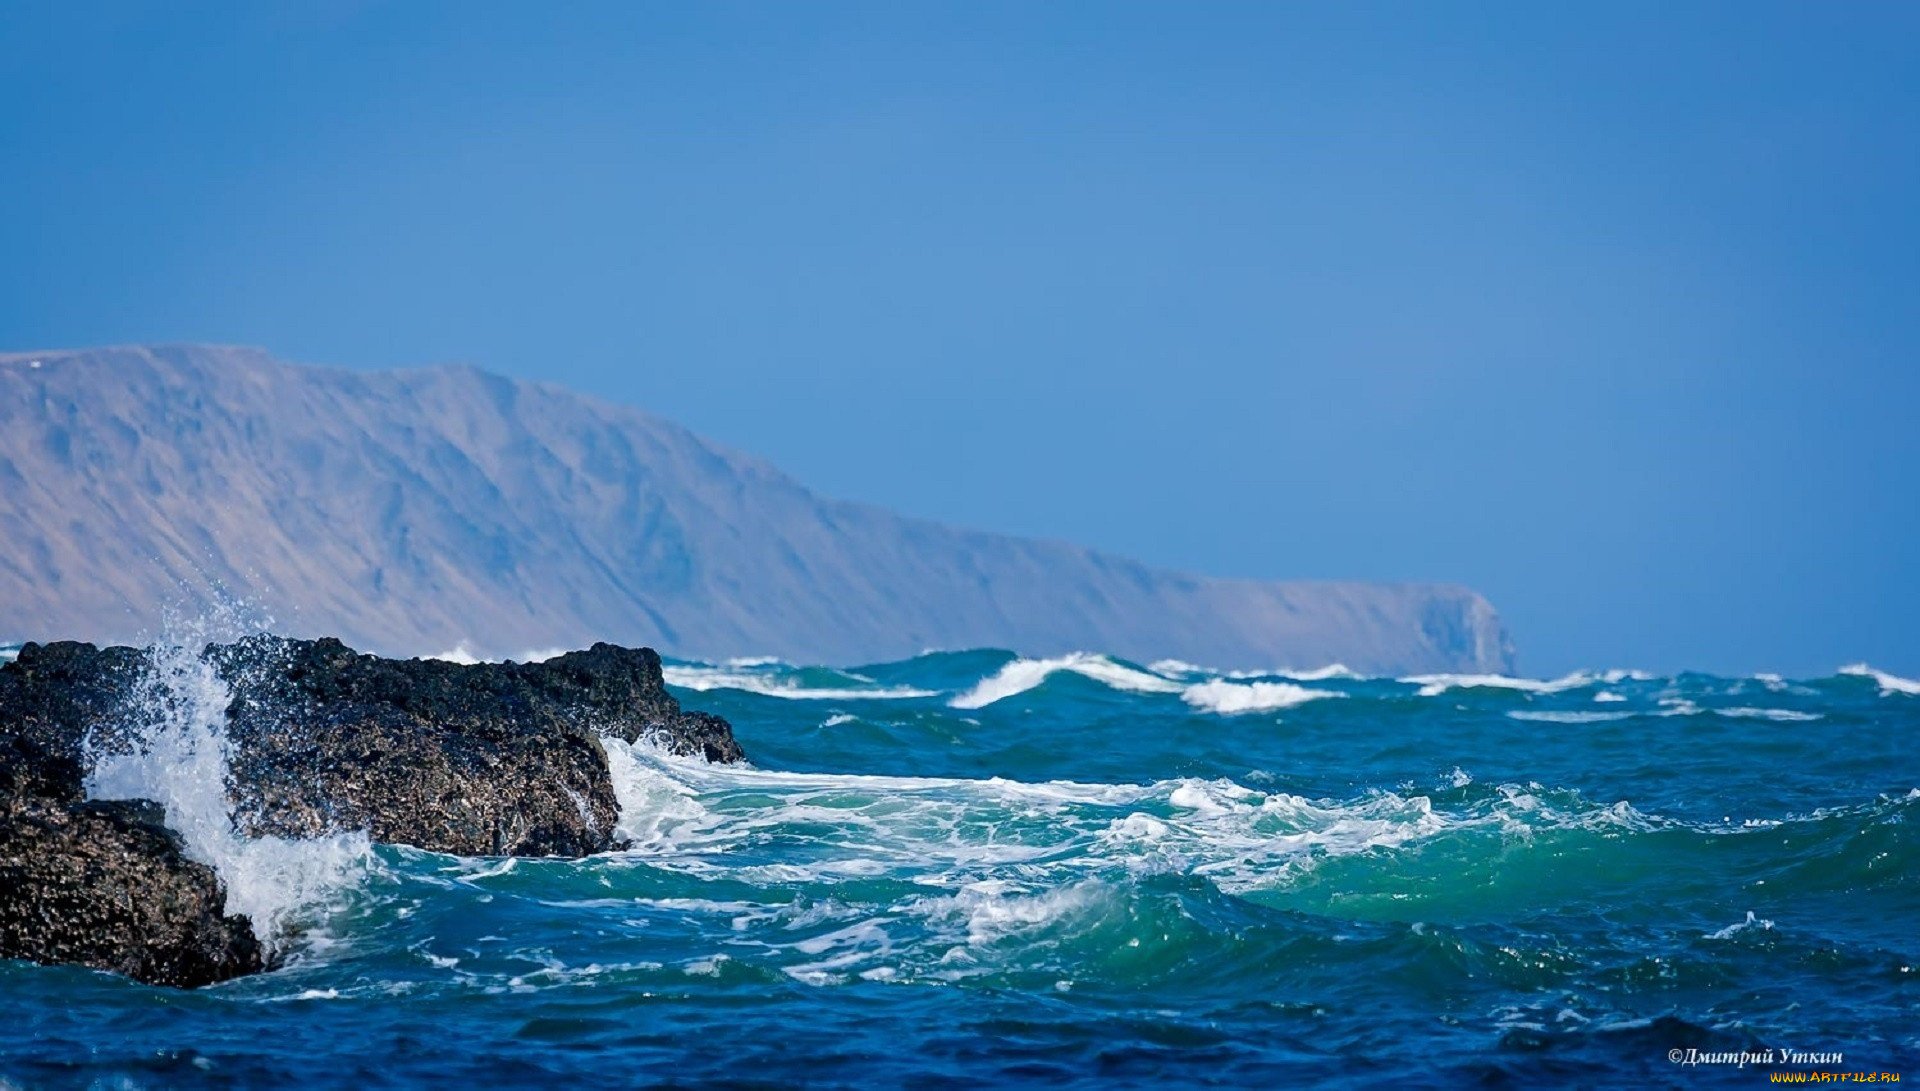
[[804, 869], [1782, 715], [464, 655], [1180, 668], [1022, 675], [1618, 675], [652, 805], [1318, 674], [685, 815], [1890, 684], [1567, 716], [1752, 922], [1433, 685], [995, 909], [1237, 697], [708, 678]]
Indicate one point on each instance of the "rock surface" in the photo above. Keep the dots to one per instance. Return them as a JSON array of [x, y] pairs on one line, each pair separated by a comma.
[[107, 885], [497, 758], [486, 759], [101, 884]]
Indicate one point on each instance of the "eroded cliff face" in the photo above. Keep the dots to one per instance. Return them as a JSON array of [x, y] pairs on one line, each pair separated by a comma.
[[482, 759], [414, 511]]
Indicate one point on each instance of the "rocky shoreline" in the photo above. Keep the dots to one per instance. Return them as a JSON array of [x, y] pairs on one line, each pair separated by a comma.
[[481, 759]]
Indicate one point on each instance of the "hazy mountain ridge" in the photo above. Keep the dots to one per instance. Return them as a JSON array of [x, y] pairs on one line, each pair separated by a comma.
[[411, 511]]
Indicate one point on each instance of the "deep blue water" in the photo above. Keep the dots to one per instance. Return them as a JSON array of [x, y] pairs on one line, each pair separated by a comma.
[[967, 870]]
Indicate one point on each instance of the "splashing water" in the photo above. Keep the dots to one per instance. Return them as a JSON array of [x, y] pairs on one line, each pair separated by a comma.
[[174, 751]]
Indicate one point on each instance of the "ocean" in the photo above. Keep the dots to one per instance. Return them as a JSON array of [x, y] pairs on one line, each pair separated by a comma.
[[971, 869]]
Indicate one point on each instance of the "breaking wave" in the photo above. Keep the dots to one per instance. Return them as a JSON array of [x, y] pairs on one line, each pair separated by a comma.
[[1022, 675], [699, 679], [1227, 697], [1890, 684], [174, 751]]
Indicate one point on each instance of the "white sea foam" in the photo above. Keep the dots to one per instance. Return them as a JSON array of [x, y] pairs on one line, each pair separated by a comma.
[[1617, 675], [1214, 695], [1568, 717], [994, 909], [1433, 685], [1180, 667], [707, 678], [1732, 930], [1235, 697], [1784, 715], [464, 655], [1008, 868], [652, 805], [1318, 674], [1022, 675], [842, 951], [1890, 684], [689, 816], [179, 759]]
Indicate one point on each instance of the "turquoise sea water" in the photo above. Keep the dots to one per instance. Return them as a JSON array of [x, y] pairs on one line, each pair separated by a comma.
[[969, 869]]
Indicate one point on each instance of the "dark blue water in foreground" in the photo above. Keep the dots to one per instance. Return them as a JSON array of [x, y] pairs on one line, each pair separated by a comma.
[[965, 870]]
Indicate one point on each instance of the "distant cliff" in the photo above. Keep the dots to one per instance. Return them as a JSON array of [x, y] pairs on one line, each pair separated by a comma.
[[413, 511]]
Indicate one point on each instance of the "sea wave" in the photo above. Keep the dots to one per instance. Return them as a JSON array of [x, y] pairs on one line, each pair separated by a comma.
[[1180, 667], [685, 814], [1022, 675], [1568, 716], [981, 678], [1890, 684], [1227, 697], [1433, 685], [771, 685]]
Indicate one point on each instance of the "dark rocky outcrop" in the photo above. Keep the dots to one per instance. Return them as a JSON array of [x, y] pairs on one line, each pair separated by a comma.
[[106, 884], [499, 758], [102, 884], [489, 759], [49, 702]]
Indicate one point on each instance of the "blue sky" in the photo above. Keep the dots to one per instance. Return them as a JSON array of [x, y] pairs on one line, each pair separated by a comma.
[[1611, 312]]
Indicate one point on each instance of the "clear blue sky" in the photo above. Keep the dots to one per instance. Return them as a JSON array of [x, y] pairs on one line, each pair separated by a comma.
[[1613, 312]]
